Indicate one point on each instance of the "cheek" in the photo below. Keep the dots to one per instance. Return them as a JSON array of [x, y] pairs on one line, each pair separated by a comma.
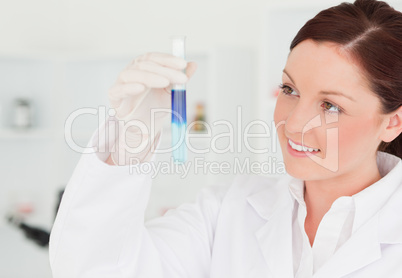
[[357, 137]]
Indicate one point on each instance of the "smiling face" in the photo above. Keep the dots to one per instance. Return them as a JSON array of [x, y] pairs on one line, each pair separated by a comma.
[[326, 105]]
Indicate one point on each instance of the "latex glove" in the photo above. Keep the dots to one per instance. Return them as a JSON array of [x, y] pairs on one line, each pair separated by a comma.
[[144, 84]]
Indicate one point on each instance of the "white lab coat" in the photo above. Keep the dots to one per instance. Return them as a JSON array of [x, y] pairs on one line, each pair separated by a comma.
[[243, 230]]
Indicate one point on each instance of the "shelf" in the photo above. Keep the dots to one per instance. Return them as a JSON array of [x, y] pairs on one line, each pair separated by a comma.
[[32, 133]]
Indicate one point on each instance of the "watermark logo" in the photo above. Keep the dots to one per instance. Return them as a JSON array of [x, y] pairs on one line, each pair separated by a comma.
[[131, 140], [238, 138], [202, 166]]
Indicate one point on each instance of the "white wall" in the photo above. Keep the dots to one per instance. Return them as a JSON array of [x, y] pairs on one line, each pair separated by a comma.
[[123, 27]]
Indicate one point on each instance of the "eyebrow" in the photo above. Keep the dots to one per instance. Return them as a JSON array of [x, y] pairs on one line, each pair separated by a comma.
[[323, 92]]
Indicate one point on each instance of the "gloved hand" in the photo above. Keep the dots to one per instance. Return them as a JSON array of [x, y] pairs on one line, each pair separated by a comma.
[[144, 84]]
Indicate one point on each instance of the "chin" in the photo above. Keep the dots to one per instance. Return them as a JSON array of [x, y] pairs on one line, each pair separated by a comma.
[[308, 170], [298, 171], [302, 168]]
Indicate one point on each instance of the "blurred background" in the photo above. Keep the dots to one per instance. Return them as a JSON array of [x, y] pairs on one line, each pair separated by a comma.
[[60, 56]]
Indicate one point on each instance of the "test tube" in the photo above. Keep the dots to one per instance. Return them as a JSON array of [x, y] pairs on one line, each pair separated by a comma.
[[179, 117]]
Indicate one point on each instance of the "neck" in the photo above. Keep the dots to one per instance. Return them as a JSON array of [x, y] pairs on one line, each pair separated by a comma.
[[320, 194]]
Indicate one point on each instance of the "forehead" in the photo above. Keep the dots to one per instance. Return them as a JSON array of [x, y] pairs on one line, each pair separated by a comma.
[[324, 64]]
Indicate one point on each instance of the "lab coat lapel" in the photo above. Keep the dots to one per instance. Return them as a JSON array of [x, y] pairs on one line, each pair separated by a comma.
[[275, 236], [364, 246], [360, 250]]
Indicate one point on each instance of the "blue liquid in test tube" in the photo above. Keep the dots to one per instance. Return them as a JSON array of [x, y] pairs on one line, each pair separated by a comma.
[[179, 117]]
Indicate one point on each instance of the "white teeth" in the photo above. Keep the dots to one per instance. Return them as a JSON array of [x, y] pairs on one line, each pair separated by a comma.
[[301, 148]]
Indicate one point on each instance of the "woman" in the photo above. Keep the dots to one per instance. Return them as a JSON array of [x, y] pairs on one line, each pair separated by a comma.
[[337, 213]]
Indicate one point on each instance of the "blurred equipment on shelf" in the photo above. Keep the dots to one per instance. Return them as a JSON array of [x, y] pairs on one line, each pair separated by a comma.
[[38, 235], [22, 113], [200, 118]]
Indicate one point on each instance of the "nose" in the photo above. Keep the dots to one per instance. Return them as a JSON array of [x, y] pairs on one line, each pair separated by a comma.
[[302, 119]]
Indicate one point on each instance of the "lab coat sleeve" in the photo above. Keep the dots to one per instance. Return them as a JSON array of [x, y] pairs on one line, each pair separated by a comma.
[[100, 232]]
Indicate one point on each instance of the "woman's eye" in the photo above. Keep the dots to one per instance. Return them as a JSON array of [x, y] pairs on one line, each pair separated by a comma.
[[287, 90], [329, 107], [326, 106]]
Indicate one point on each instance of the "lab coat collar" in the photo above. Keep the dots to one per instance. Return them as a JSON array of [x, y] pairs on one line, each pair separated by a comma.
[[275, 204], [390, 220]]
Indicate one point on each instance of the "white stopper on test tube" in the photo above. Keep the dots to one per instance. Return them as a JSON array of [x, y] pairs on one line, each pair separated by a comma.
[[179, 50], [179, 46]]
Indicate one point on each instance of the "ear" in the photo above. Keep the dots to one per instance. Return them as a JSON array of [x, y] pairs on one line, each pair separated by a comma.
[[393, 127]]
